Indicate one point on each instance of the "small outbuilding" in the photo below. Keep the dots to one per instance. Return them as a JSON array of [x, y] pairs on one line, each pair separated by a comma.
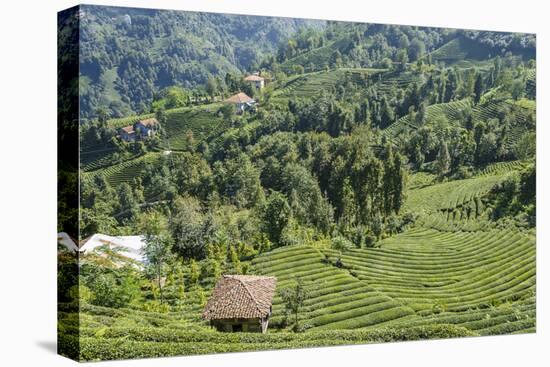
[[241, 303]]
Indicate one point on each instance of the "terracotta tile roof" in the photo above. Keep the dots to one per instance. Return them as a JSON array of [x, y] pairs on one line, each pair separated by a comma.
[[253, 78], [129, 129], [241, 296], [149, 122], [239, 98]]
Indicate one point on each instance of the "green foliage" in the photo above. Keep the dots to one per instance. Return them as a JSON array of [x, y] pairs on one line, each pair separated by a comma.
[[341, 244], [526, 146], [113, 290], [194, 273], [172, 97], [294, 297], [158, 245], [80, 294], [331, 183], [276, 215], [147, 343]]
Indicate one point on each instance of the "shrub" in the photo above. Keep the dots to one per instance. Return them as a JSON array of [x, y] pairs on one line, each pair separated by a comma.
[[80, 293], [114, 291], [156, 306]]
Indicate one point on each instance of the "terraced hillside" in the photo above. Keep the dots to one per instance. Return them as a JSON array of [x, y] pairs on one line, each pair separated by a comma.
[[94, 160], [125, 171], [420, 277], [458, 50], [385, 81], [450, 195], [451, 112], [318, 57], [459, 271], [336, 299], [310, 84], [201, 120], [202, 123], [448, 111]]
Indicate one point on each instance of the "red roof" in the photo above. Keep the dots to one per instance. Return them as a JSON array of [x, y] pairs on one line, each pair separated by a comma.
[[128, 129], [149, 122], [253, 78], [241, 296], [239, 98]]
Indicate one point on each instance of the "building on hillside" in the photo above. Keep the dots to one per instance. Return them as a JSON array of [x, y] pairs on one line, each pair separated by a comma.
[[142, 129], [256, 81], [127, 133], [241, 101], [241, 303]]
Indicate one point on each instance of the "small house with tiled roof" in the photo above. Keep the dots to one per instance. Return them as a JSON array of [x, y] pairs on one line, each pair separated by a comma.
[[241, 303], [241, 101], [255, 80], [141, 129]]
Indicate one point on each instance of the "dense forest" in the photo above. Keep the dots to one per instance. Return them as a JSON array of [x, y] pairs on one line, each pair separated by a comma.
[[396, 158]]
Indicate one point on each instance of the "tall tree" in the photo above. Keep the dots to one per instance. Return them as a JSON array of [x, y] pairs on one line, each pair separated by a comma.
[[276, 215], [294, 298], [478, 88], [158, 245], [443, 159]]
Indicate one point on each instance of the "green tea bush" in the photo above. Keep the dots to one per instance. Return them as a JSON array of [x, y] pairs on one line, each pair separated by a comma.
[[150, 342]]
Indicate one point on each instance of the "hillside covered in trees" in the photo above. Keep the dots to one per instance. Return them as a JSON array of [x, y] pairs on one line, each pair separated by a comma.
[[128, 55], [385, 175]]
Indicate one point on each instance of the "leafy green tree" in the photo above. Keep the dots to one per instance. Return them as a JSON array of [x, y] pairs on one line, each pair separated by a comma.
[[526, 146], [398, 182], [443, 159], [211, 87], [487, 148], [402, 59], [228, 112], [478, 88], [191, 229], [349, 206], [113, 289], [235, 261], [127, 201], [102, 116], [517, 89], [276, 216], [158, 245], [387, 114], [417, 48], [421, 115], [174, 97], [308, 204], [294, 297]]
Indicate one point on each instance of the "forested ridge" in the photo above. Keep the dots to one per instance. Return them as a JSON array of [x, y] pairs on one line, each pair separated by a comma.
[[387, 173], [128, 54]]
